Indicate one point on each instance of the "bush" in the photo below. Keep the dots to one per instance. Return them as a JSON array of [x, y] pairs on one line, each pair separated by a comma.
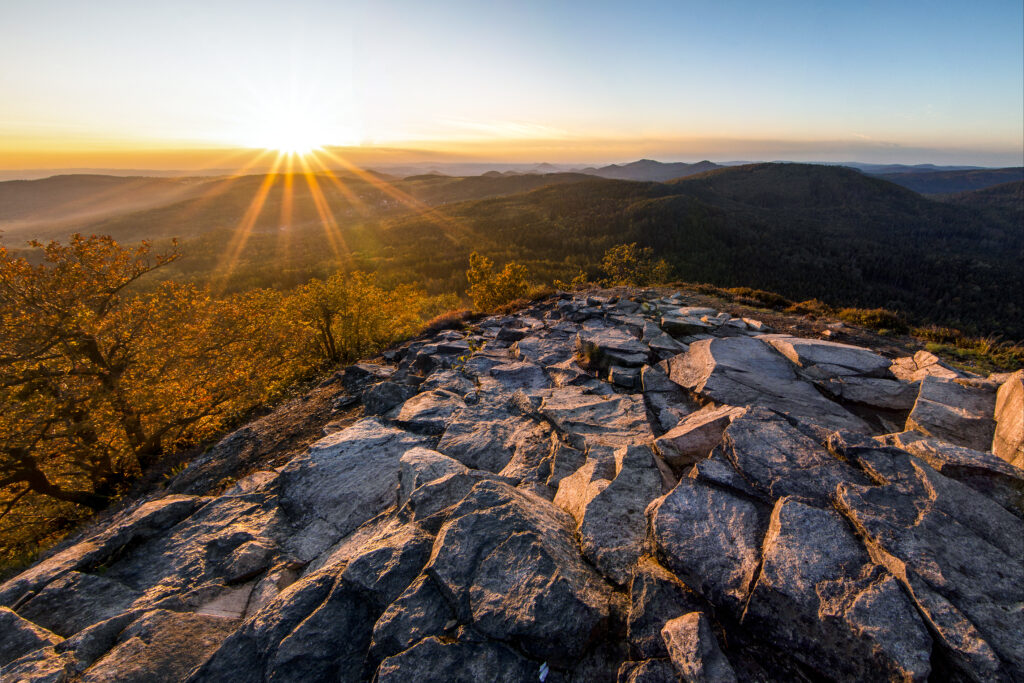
[[488, 289], [811, 307], [629, 264], [753, 297], [878, 319], [449, 320]]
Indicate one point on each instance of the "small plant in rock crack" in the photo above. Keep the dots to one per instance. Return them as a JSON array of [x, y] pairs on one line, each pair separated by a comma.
[[460, 363]]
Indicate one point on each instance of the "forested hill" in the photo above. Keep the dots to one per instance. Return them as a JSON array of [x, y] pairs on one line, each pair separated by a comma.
[[805, 231]]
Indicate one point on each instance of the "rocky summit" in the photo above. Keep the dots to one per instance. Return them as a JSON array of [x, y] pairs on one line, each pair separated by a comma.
[[609, 486]]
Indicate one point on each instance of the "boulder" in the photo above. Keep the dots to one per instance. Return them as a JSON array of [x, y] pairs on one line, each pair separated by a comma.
[[1008, 441], [381, 397], [777, 459], [419, 466], [647, 671], [684, 325], [820, 597], [741, 371], [923, 364], [709, 538], [694, 437], [345, 479], [981, 470], [508, 564], [604, 347], [694, 651], [419, 612], [612, 526], [359, 375], [484, 436], [954, 412]]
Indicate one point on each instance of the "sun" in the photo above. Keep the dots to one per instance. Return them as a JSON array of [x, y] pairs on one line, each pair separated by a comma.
[[292, 130]]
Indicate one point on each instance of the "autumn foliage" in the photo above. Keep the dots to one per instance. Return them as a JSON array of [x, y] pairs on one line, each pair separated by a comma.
[[99, 377]]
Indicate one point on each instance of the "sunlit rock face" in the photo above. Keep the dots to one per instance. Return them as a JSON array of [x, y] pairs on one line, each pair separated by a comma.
[[610, 486]]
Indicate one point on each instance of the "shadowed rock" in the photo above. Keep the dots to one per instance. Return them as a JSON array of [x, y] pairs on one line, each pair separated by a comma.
[[19, 636], [655, 597], [434, 661], [820, 597], [956, 553]]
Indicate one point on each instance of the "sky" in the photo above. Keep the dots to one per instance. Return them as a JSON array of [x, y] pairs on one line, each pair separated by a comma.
[[172, 85]]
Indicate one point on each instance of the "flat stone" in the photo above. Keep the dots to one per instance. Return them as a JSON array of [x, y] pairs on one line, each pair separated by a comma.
[[429, 412], [347, 477], [823, 359], [743, 371], [887, 394], [520, 375], [161, 646], [588, 419]]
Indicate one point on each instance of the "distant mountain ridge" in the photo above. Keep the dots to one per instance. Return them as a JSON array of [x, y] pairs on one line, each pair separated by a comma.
[[946, 182], [650, 170]]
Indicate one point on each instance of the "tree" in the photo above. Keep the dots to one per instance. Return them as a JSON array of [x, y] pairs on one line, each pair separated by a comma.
[[629, 264], [489, 290], [98, 381], [349, 315]]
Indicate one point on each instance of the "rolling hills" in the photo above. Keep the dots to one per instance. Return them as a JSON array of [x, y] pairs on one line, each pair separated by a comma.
[[805, 231]]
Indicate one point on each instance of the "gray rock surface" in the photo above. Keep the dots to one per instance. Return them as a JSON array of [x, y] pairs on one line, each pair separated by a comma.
[[741, 371], [500, 510]]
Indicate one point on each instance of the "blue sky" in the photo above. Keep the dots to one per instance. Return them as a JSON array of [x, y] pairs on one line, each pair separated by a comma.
[[870, 81]]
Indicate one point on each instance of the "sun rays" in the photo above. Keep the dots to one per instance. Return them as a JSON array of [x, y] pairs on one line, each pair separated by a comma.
[[293, 173]]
